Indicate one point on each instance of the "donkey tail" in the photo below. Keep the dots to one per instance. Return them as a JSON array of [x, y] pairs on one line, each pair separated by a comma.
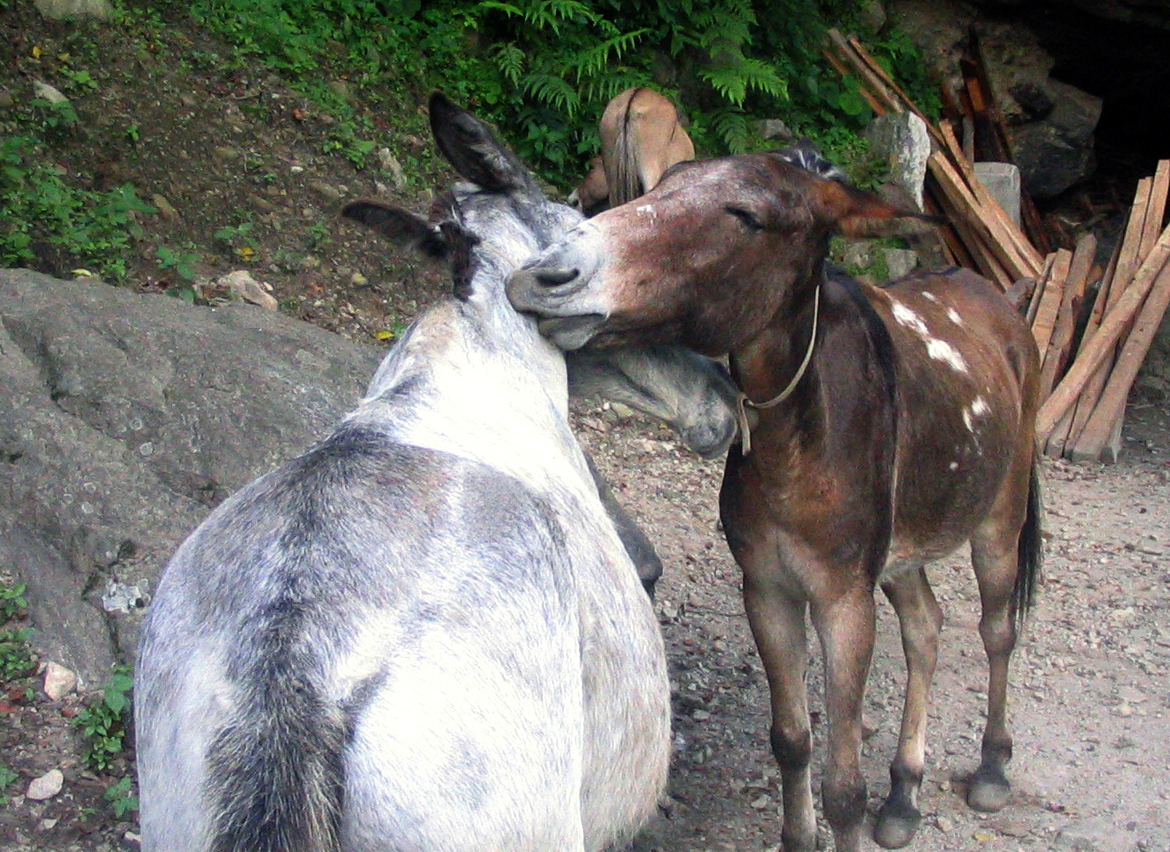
[[276, 771], [626, 185], [1029, 552]]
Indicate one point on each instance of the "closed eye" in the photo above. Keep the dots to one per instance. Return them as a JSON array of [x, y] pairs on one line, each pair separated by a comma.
[[747, 217]]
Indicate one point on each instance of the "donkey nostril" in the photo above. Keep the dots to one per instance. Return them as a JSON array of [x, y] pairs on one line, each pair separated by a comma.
[[555, 277]]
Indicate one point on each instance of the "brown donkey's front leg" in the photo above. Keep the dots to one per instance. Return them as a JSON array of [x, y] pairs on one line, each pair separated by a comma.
[[777, 623], [846, 628]]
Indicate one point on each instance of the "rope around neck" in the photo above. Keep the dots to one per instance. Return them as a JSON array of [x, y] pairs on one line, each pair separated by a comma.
[[742, 401]]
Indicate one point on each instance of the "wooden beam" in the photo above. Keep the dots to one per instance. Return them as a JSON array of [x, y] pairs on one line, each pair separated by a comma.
[[1128, 259], [1155, 215], [1061, 432], [1004, 227], [1095, 438], [965, 205], [1050, 303], [1114, 323], [1068, 314]]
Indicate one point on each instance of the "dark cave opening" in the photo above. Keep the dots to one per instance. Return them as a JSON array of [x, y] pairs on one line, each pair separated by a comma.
[[1125, 64]]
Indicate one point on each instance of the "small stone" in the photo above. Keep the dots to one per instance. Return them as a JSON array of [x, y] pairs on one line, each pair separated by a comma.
[[48, 93], [358, 280], [226, 153], [59, 681], [164, 207], [47, 786], [983, 835], [1012, 828], [326, 190], [700, 715], [389, 163], [48, 824], [762, 802], [944, 824], [242, 285]]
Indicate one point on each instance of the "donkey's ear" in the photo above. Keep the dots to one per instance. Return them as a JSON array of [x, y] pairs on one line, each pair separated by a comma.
[[860, 214], [476, 154], [399, 226]]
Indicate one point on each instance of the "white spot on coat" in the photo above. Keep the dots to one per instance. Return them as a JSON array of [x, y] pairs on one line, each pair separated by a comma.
[[954, 317], [940, 350], [908, 318]]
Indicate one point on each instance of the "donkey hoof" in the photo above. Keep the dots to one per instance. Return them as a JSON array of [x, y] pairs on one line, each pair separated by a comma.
[[989, 791], [896, 826]]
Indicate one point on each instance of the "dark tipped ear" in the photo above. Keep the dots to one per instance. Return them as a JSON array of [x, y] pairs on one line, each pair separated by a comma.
[[859, 214], [463, 264], [476, 154], [399, 226]]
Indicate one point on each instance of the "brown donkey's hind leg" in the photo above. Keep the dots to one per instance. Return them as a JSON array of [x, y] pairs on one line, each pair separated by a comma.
[[921, 620], [1005, 552]]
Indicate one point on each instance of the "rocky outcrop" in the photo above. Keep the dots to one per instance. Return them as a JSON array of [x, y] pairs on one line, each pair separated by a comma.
[[1050, 123], [124, 418]]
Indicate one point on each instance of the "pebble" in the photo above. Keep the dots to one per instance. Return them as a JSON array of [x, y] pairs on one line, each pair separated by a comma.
[[47, 786], [48, 93], [59, 681], [165, 208], [944, 824], [242, 285]]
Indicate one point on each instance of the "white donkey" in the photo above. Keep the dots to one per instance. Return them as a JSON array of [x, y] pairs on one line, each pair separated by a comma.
[[424, 633]]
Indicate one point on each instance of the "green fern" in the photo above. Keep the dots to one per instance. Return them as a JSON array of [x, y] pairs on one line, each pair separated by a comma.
[[597, 60], [553, 91], [511, 60]]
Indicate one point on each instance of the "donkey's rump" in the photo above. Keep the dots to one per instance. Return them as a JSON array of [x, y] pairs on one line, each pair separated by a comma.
[[382, 602]]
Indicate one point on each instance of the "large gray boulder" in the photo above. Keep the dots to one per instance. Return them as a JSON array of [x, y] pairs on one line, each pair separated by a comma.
[[124, 418]]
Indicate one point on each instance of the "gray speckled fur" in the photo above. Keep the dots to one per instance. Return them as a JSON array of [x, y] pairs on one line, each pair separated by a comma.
[[424, 633]]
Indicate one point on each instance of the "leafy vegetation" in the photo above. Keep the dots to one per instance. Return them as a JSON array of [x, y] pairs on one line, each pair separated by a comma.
[[104, 721], [543, 70], [7, 776], [540, 70], [90, 228], [121, 797], [16, 658]]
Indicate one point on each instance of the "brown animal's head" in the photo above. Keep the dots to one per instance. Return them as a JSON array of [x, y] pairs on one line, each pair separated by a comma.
[[706, 258]]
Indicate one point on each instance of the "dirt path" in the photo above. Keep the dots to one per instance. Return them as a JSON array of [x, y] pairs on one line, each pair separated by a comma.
[[1090, 698]]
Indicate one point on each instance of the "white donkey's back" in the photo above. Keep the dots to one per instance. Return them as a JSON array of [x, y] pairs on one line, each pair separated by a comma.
[[423, 633]]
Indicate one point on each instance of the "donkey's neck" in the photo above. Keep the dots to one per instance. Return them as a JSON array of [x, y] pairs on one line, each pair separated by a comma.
[[766, 365], [458, 383]]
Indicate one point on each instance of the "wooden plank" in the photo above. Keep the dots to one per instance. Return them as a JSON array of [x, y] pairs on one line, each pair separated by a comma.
[[1113, 324], [876, 87], [1060, 436], [1050, 303], [876, 68], [1127, 262], [1004, 226], [1095, 438], [1041, 283], [967, 207], [1069, 312], [1155, 215], [1156, 211]]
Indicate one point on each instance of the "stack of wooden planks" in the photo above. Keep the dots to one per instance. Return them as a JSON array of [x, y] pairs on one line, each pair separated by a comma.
[[1083, 408], [1090, 353]]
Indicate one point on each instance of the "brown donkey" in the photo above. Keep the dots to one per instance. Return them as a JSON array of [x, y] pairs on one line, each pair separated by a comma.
[[895, 423], [641, 137]]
